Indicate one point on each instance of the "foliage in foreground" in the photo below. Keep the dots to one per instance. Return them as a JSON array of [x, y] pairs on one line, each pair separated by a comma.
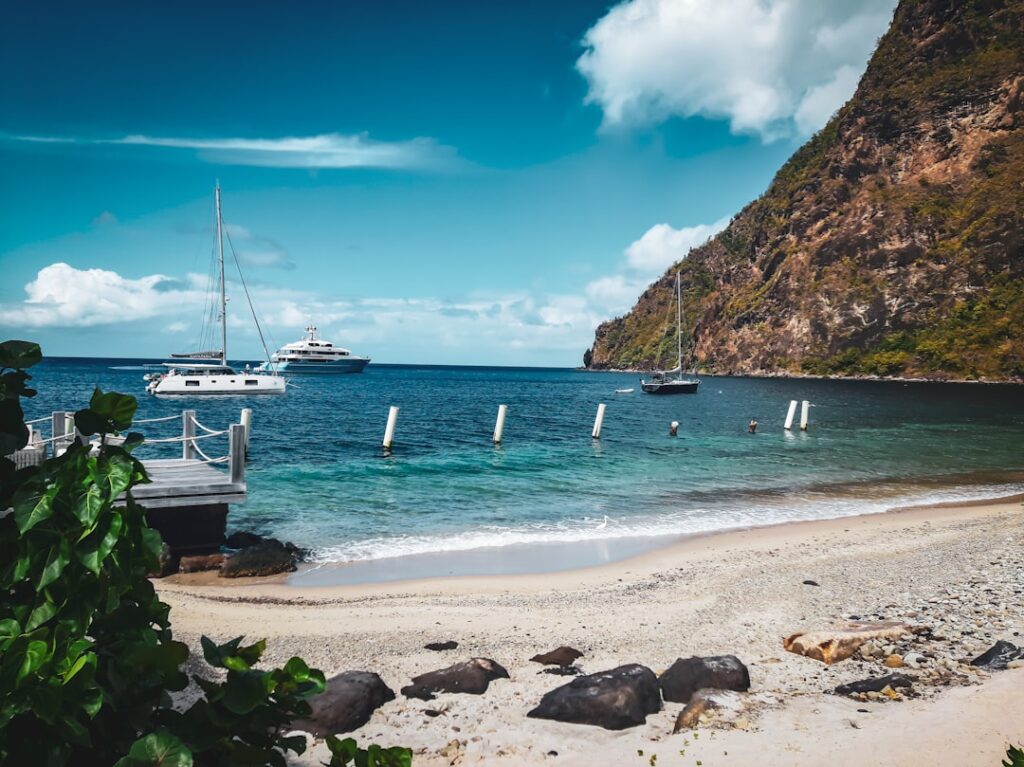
[[1014, 757], [87, 658]]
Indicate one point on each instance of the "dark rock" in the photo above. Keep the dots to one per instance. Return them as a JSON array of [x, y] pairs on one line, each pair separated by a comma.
[[265, 558], [167, 563], [200, 562], [562, 670], [432, 712], [616, 699], [471, 677], [441, 646], [346, 704], [811, 583], [687, 675], [998, 656], [875, 684], [562, 656], [243, 540]]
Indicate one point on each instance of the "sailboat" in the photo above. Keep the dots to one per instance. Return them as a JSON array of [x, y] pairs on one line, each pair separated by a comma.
[[673, 381], [191, 377]]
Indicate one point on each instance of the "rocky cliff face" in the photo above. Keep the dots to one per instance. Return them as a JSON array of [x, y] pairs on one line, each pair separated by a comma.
[[892, 243]]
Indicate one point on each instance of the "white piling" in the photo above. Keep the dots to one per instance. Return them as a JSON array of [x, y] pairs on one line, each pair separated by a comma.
[[804, 408], [499, 425], [188, 432], [673, 429], [598, 422], [389, 431], [790, 414], [246, 420]]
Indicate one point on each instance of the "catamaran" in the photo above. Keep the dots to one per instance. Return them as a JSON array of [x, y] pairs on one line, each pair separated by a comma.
[[673, 381], [313, 354], [208, 372]]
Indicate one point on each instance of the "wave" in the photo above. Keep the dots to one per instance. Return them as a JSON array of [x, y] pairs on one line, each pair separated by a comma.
[[677, 523]]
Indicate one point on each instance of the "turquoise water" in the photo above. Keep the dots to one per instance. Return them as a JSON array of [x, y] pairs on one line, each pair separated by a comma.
[[318, 477]]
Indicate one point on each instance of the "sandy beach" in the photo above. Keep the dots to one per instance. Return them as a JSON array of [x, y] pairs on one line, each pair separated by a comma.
[[957, 570]]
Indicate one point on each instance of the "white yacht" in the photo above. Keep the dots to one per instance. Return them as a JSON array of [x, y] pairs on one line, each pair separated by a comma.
[[312, 354], [213, 375]]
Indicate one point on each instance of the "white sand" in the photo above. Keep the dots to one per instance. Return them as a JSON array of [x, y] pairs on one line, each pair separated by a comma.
[[959, 569]]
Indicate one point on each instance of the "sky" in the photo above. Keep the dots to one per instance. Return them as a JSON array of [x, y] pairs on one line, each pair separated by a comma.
[[438, 183]]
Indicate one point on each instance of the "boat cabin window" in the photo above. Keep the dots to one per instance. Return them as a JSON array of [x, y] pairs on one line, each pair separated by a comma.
[[251, 382], [191, 383]]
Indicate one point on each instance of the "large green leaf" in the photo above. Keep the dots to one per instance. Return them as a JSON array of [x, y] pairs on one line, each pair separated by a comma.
[[57, 560], [158, 749], [33, 507], [107, 412], [245, 690], [86, 503], [41, 614], [19, 354], [36, 653]]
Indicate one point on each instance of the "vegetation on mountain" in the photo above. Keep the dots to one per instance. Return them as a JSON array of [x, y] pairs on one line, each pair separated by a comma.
[[891, 243]]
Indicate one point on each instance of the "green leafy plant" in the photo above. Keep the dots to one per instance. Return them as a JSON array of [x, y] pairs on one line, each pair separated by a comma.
[[346, 752], [87, 658], [1014, 757]]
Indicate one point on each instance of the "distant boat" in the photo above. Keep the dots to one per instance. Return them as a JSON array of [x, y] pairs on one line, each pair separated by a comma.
[[673, 381], [312, 354], [624, 391], [213, 375]]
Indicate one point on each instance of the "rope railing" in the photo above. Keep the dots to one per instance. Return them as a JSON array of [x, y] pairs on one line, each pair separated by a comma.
[[184, 438], [207, 458], [37, 420], [207, 429], [156, 420]]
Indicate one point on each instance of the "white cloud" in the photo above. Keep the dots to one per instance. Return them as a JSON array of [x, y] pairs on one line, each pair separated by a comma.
[[770, 67], [326, 150], [661, 245], [63, 296]]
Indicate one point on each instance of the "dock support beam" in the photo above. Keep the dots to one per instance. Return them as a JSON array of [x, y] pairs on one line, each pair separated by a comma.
[[598, 422], [804, 412], [790, 415], [499, 425], [389, 430], [236, 453], [188, 431], [246, 421]]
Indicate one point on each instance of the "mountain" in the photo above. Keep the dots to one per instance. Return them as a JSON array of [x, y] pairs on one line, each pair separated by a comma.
[[891, 243]]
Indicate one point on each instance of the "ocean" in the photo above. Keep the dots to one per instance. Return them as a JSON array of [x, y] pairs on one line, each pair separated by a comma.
[[318, 476]]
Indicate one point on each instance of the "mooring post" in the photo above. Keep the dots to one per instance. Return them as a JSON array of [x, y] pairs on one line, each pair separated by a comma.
[[246, 422], [499, 425], [389, 431], [188, 432], [804, 410], [673, 429], [598, 422], [58, 428], [790, 415], [236, 453]]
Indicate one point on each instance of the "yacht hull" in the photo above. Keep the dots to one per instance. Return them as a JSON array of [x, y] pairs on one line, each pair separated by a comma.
[[330, 367], [192, 386], [671, 387]]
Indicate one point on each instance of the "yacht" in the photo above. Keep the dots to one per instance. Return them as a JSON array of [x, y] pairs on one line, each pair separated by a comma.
[[673, 381], [312, 354], [208, 372]]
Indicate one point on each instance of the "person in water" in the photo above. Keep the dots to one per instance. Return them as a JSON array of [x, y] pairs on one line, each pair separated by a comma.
[[752, 426]]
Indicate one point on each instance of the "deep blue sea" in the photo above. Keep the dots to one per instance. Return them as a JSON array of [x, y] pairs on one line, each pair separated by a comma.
[[318, 476]]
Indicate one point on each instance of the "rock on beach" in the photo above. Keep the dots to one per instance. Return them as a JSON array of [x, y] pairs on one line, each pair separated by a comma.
[[471, 677], [616, 699], [687, 675], [346, 704]]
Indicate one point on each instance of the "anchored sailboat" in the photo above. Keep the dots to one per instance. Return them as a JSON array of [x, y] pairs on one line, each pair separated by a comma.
[[191, 378], [673, 381]]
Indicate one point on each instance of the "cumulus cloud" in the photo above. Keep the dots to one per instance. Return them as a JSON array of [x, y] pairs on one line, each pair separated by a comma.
[[257, 250], [323, 151], [661, 245], [769, 67], [63, 296]]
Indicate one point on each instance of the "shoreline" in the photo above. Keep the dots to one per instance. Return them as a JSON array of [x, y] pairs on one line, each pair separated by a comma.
[[954, 568], [790, 376], [509, 563]]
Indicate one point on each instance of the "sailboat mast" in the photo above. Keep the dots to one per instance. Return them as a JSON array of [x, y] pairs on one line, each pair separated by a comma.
[[679, 323], [223, 287]]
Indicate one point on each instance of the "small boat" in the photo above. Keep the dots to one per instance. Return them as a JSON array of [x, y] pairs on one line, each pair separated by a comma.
[[673, 381], [312, 354], [208, 372], [624, 391]]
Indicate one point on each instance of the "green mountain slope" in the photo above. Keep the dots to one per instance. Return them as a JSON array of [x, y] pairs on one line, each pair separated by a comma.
[[892, 243]]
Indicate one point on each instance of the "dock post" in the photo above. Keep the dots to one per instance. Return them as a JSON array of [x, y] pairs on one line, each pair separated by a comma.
[[58, 428], [236, 453], [790, 415], [188, 431], [246, 422], [499, 425], [598, 422], [804, 408], [389, 431], [673, 429]]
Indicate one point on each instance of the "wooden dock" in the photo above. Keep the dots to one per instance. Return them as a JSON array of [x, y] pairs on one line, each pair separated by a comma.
[[186, 482]]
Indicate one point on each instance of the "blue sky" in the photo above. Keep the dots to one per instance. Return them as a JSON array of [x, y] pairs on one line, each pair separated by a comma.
[[475, 183]]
